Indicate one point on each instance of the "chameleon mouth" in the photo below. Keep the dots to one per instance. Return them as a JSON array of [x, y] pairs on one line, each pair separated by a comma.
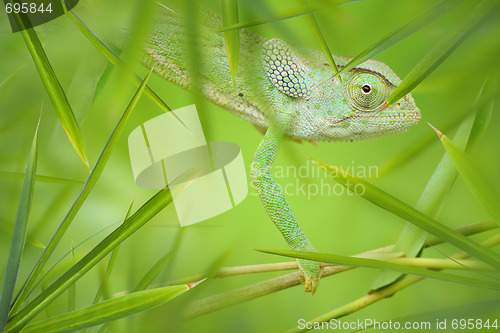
[[401, 119]]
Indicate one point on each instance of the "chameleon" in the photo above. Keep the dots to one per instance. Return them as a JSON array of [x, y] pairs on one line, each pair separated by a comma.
[[286, 91]]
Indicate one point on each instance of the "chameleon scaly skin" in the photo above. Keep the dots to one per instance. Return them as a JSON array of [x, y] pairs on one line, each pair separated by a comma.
[[288, 91]]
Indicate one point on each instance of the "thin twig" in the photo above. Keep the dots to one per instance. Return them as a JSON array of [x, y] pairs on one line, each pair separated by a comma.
[[233, 297], [380, 294]]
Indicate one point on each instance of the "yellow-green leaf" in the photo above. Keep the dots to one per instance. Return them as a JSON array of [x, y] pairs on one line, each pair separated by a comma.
[[388, 202], [53, 87], [109, 310], [232, 37], [19, 235], [473, 177]]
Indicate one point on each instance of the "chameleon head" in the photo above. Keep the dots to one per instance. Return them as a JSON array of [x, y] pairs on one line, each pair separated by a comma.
[[362, 112], [332, 108]]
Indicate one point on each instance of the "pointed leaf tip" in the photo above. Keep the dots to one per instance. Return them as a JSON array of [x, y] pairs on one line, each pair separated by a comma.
[[438, 132], [194, 284], [385, 106]]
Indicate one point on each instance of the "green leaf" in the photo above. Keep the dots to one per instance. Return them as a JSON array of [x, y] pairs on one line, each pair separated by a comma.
[[481, 122], [378, 264], [403, 32], [442, 50], [144, 214], [287, 13], [412, 239], [19, 235], [39, 178], [232, 37], [89, 185], [154, 271], [451, 122], [386, 201], [116, 61], [53, 87], [111, 265], [473, 177], [109, 310], [313, 25]]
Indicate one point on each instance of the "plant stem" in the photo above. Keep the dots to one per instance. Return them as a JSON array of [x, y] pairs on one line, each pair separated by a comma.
[[233, 297], [380, 294]]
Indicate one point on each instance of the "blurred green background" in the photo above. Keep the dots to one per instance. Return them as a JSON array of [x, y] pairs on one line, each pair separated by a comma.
[[339, 224]]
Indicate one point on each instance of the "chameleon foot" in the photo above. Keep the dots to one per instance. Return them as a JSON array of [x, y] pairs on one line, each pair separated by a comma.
[[311, 274]]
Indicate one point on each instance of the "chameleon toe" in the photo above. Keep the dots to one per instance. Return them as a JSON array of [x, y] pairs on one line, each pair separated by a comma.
[[311, 274]]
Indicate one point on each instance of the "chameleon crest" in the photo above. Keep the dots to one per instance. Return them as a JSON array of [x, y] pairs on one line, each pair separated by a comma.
[[284, 70]]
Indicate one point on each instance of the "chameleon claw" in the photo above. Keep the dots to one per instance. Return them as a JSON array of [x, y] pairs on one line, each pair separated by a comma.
[[311, 274]]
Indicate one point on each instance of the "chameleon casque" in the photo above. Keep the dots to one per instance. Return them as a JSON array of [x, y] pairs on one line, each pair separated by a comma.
[[284, 90]]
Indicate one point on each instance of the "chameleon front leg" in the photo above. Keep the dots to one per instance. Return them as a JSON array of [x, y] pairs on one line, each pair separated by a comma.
[[277, 206]]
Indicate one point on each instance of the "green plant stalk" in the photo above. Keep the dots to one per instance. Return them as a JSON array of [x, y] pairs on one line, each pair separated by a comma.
[[431, 263], [412, 239], [417, 147], [116, 61], [40, 178], [53, 87], [267, 287], [89, 185], [148, 278], [19, 234], [403, 32], [313, 25], [232, 37], [399, 208], [72, 288], [285, 14], [152, 207], [111, 264], [109, 310], [383, 293], [442, 50], [473, 177], [378, 264]]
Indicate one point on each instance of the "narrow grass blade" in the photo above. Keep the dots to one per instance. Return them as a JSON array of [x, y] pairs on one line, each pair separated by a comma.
[[116, 61], [481, 122], [19, 235], [154, 271], [403, 32], [378, 264], [144, 214], [232, 37], [287, 13], [72, 288], [111, 264], [386, 201], [263, 288], [89, 185], [53, 87], [109, 310], [313, 25], [383, 293], [412, 239], [471, 174], [442, 50], [416, 148], [40, 178]]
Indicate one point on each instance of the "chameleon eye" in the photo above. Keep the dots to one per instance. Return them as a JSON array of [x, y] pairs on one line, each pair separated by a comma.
[[367, 91]]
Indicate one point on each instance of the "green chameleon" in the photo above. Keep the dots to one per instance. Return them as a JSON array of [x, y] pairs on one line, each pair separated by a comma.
[[284, 90]]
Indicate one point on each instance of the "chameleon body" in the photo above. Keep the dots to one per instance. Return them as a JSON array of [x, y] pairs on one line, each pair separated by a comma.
[[286, 91]]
